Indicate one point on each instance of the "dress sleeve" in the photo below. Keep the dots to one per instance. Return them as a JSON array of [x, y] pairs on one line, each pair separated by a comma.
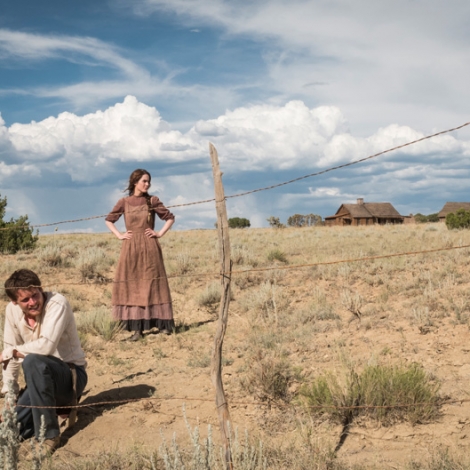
[[162, 212], [117, 211]]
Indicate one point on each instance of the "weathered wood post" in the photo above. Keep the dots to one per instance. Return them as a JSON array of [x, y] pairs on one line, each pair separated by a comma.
[[225, 269]]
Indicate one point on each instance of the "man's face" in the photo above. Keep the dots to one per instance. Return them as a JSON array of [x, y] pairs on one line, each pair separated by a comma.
[[30, 301]]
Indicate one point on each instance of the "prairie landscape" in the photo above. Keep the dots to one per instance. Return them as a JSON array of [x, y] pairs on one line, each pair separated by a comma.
[[304, 338]]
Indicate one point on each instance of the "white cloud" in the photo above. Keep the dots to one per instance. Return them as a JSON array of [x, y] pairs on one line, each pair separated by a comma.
[[379, 62], [82, 146], [256, 138]]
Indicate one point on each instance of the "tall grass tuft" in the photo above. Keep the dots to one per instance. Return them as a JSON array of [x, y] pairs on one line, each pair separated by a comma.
[[98, 322], [386, 393], [277, 255]]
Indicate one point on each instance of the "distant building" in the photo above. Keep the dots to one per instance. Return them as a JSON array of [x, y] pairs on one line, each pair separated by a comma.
[[409, 219], [452, 207], [365, 213]]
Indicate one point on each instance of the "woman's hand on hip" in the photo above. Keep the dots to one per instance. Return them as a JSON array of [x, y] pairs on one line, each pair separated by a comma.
[[151, 233], [126, 235]]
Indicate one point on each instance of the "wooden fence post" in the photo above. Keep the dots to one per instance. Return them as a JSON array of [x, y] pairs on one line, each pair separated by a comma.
[[225, 269]]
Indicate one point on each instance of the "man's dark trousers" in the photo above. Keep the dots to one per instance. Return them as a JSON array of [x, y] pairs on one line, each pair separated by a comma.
[[49, 384]]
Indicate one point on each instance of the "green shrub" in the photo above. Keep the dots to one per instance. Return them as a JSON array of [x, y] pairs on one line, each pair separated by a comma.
[[277, 255], [424, 219], [238, 222], [386, 393], [461, 219], [16, 234]]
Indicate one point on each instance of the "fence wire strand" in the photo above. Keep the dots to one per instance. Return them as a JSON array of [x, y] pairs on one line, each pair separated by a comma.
[[244, 271], [441, 402], [149, 399]]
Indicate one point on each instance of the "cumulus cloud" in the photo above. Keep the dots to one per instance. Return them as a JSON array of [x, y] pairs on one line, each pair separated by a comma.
[[83, 145], [256, 138], [278, 142]]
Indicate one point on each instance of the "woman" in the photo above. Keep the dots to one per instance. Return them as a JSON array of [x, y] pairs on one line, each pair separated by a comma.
[[141, 297]]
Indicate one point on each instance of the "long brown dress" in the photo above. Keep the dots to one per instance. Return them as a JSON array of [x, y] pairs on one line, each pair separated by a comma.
[[141, 296]]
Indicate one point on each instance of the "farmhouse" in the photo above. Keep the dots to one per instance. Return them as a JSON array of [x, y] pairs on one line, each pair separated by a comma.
[[452, 207], [365, 213]]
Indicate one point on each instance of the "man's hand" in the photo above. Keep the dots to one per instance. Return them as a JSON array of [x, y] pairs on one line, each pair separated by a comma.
[[5, 361]]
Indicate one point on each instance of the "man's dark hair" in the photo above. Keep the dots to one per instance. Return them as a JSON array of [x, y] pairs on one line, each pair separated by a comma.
[[21, 279]]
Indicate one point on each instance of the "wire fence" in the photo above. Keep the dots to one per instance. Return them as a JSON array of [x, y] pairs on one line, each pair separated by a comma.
[[277, 267], [435, 403], [215, 274]]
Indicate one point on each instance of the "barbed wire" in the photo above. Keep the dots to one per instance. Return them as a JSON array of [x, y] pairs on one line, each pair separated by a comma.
[[266, 188], [439, 402], [269, 268]]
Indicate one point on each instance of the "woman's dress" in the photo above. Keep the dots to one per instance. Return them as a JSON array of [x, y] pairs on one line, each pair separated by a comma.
[[141, 297]]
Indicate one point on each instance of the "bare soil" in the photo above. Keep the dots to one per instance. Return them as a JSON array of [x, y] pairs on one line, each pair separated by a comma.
[[414, 309]]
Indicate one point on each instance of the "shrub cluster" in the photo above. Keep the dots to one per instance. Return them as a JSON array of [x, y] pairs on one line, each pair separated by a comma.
[[238, 222], [423, 219], [309, 220], [461, 219], [386, 393], [16, 234]]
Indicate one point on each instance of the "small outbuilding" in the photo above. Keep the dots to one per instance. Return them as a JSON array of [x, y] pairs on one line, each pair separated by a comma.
[[365, 213], [452, 207]]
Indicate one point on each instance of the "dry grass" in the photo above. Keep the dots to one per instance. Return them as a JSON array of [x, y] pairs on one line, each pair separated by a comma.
[[286, 324]]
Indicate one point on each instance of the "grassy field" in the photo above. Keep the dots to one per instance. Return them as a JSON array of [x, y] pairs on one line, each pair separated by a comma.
[[302, 342]]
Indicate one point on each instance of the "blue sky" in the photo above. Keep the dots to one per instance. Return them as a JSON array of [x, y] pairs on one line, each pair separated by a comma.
[[91, 90]]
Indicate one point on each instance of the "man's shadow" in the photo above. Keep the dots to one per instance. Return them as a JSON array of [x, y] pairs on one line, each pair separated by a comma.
[[88, 414]]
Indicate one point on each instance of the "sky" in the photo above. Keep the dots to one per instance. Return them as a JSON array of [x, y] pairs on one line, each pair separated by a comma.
[[91, 90]]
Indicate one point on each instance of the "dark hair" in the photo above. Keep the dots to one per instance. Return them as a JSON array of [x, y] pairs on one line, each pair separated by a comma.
[[21, 279], [134, 179]]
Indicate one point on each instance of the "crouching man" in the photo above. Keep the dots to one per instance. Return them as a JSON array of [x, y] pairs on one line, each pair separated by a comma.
[[41, 335]]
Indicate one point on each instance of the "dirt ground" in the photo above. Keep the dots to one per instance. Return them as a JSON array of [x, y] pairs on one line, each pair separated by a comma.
[[169, 376]]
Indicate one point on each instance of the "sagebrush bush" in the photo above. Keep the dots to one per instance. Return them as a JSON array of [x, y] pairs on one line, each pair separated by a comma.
[[93, 263], [181, 264], [441, 459], [9, 434], [267, 301], [211, 295], [51, 255], [98, 322], [386, 393], [269, 376], [277, 255]]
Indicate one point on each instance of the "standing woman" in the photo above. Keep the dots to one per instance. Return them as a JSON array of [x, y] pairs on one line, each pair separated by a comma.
[[141, 296]]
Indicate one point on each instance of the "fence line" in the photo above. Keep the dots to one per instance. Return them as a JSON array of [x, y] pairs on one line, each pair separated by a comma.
[[443, 401], [269, 268], [338, 167]]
